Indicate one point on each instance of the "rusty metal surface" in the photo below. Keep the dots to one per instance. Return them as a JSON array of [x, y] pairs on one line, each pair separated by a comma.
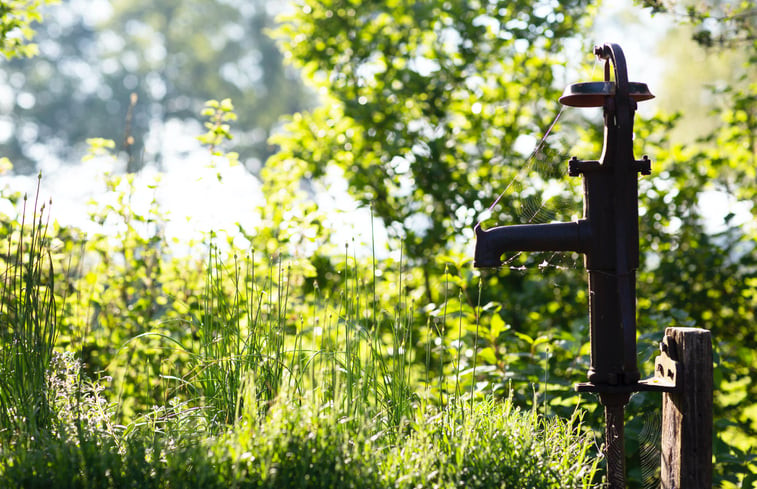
[[615, 452], [594, 94]]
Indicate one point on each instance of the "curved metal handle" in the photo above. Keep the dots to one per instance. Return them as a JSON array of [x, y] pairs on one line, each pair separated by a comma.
[[613, 52], [624, 109]]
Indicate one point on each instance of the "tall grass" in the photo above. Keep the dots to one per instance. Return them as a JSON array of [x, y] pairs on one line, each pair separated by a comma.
[[27, 327], [254, 346], [241, 336], [286, 388]]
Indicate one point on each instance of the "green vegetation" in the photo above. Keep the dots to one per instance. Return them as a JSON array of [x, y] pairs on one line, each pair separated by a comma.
[[29, 333], [173, 56], [16, 31], [270, 355], [261, 380]]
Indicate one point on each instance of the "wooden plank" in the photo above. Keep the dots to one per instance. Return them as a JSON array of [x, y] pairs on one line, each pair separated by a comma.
[[687, 413]]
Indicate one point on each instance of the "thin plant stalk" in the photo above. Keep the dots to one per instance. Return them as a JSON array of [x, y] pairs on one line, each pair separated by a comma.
[[475, 344], [459, 347]]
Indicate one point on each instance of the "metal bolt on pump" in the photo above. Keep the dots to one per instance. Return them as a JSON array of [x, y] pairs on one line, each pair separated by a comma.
[[608, 236]]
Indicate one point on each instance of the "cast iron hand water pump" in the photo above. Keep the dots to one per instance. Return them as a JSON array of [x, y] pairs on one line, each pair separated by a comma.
[[608, 236]]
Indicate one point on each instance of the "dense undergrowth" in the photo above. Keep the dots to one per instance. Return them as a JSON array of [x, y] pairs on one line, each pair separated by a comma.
[[301, 444], [126, 366]]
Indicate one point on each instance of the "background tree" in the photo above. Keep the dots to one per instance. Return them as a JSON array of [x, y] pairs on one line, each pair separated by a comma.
[[716, 34], [16, 31], [723, 23], [173, 55], [427, 101]]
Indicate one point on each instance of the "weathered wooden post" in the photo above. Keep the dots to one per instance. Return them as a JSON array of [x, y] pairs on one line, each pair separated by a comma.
[[686, 461]]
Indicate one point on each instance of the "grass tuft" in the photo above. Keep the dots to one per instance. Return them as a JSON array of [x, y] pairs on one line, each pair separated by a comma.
[[27, 328]]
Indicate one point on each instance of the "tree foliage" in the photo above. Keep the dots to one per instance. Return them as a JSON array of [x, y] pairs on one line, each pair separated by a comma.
[[718, 23], [424, 103], [16, 31], [173, 55]]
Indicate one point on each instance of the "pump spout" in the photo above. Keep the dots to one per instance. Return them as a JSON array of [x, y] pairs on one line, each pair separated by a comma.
[[559, 236]]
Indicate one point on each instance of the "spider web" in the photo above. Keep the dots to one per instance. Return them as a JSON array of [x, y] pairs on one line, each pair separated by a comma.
[[650, 449], [544, 193], [541, 192]]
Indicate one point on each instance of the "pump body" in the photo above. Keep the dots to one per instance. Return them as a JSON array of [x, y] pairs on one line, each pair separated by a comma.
[[608, 234]]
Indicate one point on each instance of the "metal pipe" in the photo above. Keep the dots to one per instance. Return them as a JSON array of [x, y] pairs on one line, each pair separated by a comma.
[[614, 444], [557, 236]]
